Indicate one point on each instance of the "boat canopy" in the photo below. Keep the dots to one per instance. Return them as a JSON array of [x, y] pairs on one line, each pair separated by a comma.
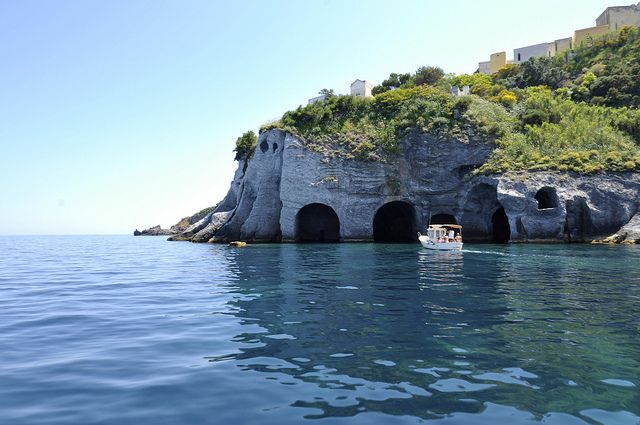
[[449, 226]]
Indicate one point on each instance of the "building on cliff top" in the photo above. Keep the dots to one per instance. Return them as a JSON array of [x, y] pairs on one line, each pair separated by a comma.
[[316, 99], [612, 19], [361, 88], [616, 17], [586, 36], [496, 61]]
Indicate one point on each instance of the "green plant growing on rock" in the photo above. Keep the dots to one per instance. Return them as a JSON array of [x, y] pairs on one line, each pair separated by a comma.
[[245, 146]]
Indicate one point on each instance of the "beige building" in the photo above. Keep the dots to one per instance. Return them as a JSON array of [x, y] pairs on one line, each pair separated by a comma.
[[562, 45], [361, 88], [617, 17], [586, 36], [496, 62], [612, 19]]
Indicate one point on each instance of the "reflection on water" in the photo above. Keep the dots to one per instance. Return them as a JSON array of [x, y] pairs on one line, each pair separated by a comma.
[[124, 331], [402, 331]]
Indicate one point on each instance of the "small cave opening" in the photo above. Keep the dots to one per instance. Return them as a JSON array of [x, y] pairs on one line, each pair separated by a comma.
[[275, 147], [317, 223], [500, 230], [264, 146], [395, 222], [443, 219], [547, 198]]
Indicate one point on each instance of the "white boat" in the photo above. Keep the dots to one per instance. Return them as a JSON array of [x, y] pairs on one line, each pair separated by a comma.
[[442, 237]]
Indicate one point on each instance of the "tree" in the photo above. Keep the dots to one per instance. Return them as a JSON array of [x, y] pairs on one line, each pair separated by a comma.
[[245, 145], [395, 81], [326, 93], [428, 75]]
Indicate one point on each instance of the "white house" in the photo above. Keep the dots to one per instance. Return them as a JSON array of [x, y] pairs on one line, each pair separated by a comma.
[[456, 91], [361, 88], [523, 54], [316, 99]]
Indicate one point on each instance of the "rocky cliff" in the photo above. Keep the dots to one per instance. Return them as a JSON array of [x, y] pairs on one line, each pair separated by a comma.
[[287, 192]]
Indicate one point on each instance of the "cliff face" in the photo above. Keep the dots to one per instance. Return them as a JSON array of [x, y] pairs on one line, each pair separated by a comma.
[[287, 192]]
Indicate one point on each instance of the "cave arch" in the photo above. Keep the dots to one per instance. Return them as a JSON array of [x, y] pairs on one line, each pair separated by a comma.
[[317, 223], [443, 219], [395, 222], [547, 198], [500, 229]]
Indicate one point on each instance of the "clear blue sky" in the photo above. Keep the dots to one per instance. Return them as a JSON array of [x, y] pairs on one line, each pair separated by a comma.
[[123, 113]]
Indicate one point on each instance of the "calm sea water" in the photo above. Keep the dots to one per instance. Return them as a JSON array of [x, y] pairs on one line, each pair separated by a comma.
[[123, 330]]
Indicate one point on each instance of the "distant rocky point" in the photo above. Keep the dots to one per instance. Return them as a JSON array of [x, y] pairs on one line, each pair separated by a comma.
[[153, 231], [177, 228]]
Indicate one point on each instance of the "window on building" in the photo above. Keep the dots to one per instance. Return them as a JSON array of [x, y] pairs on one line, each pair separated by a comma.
[[518, 57]]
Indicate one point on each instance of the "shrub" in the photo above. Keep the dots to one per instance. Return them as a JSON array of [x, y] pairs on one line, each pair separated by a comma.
[[245, 145]]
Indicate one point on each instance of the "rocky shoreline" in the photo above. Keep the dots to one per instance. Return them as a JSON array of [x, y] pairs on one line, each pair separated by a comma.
[[289, 193]]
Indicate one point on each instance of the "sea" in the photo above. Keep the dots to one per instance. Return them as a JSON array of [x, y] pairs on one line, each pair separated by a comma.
[[124, 330]]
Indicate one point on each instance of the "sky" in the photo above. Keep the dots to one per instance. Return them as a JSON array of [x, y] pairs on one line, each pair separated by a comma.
[[123, 114]]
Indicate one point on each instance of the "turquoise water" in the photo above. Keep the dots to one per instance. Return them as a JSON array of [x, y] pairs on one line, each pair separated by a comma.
[[123, 330]]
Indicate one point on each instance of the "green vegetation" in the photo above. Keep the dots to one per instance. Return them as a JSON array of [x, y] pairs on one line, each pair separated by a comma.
[[424, 75], [245, 145], [574, 112], [188, 221], [369, 129], [560, 134]]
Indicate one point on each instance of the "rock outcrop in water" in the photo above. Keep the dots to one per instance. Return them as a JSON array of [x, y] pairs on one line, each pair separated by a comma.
[[153, 231], [287, 192]]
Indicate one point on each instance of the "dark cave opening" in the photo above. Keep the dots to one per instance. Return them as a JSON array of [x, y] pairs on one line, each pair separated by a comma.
[[500, 229], [395, 222], [443, 219], [547, 198], [317, 223]]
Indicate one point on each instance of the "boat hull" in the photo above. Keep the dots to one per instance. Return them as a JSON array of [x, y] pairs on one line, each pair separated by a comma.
[[439, 246]]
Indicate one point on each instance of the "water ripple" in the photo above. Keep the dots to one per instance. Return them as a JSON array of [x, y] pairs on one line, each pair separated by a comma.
[[122, 330]]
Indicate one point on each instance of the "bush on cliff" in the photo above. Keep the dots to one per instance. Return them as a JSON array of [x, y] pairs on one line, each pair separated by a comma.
[[370, 128], [560, 134], [429, 75], [245, 145]]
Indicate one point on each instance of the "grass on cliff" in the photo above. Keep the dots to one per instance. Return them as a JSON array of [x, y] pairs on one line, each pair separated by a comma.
[[574, 112], [559, 134], [370, 129]]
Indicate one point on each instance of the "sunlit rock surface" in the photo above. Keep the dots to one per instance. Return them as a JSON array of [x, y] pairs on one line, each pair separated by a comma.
[[287, 192]]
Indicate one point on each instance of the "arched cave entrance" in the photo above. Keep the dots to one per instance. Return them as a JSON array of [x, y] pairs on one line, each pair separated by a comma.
[[547, 198], [443, 219], [395, 222], [500, 230], [317, 223]]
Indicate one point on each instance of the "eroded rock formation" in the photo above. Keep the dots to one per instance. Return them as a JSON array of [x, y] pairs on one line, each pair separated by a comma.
[[153, 231], [287, 192]]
